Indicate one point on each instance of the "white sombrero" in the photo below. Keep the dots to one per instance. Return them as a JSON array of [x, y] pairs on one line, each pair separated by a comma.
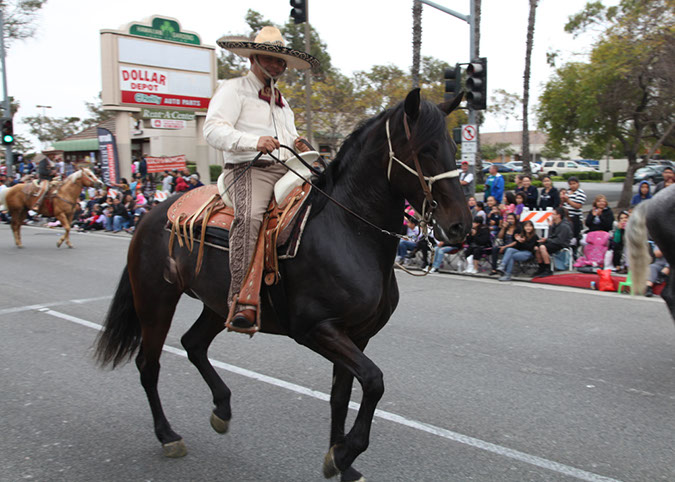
[[269, 42]]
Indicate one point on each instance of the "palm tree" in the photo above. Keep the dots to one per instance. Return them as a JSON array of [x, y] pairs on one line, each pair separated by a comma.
[[417, 42], [526, 87]]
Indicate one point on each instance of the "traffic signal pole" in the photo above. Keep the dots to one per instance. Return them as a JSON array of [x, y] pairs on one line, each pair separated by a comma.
[[8, 112]]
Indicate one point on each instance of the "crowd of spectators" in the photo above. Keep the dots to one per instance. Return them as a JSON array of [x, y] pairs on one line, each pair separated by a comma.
[[117, 207], [499, 240]]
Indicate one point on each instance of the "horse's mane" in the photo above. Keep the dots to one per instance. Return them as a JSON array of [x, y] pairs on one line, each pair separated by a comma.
[[429, 127]]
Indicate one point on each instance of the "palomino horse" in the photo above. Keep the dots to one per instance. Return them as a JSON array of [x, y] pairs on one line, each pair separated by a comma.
[[63, 203], [653, 217], [337, 293]]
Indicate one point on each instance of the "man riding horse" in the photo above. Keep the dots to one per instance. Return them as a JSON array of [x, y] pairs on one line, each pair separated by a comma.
[[249, 114], [45, 175]]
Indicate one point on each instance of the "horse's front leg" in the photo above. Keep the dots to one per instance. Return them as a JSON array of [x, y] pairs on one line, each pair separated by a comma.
[[339, 406], [334, 344], [65, 223]]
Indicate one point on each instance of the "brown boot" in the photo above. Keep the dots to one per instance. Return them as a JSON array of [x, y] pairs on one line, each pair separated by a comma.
[[244, 321]]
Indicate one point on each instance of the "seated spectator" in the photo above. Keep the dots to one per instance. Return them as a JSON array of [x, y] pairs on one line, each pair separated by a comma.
[[135, 184], [505, 239], [616, 243], [94, 222], [668, 179], [195, 182], [559, 237], [529, 191], [404, 246], [472, 205], [549, 197], [121, 218], [644, 193], [508, 204], [601, 217], [520, 204], [439, 251], [480, 211], [479, 242], [526, 242], [181, 185], [494, 217], [658, 271]]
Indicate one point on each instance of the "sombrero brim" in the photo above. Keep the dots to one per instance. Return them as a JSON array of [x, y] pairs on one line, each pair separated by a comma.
[[294, 58]]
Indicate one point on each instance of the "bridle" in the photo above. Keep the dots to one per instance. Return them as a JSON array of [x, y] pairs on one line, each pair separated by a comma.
[[429, 205]]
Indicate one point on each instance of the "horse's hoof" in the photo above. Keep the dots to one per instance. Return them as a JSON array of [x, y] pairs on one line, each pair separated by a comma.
[[175, 449], [329, 468], [218, 424], [58, 244], [352, 475]]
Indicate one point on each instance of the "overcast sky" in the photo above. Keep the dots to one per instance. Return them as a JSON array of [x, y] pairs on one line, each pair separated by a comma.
[[60, 66]]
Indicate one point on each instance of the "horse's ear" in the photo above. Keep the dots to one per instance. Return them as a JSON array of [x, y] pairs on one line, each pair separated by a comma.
[[451, 105], [412, 104]]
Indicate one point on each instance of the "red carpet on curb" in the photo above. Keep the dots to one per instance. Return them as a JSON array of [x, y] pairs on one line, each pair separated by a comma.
[[583, 280]]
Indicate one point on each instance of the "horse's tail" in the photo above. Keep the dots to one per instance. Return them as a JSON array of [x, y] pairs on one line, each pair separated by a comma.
[[638, 248], [121, 333]]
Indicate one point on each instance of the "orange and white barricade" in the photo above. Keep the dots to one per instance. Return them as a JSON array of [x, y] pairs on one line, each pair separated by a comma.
[[113, 193], [161, 195]]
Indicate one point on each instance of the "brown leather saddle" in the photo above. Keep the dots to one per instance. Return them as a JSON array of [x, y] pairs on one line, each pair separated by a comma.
[[201, 210]]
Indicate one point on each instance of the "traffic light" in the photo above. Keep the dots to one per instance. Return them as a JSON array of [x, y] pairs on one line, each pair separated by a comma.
[[299, 11], [476, 84], [453, 82], [7, 132]]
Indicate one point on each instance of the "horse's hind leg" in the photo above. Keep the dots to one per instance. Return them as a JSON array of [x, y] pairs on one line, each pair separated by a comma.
[[18, 216], [153, 333], [331, 342], [196, 342]]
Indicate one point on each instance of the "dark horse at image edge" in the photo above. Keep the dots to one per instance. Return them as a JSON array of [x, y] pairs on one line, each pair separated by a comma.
[[339, 290]]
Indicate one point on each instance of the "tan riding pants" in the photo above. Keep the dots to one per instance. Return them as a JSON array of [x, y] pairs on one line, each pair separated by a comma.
[[251, 196]]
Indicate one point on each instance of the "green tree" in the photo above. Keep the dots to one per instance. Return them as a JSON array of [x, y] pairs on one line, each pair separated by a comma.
[[626, 93], [497, 150], [97, 114], [19, 18], [51, 129]]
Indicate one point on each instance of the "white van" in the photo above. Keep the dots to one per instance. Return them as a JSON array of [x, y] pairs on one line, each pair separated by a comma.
[[558, 168]]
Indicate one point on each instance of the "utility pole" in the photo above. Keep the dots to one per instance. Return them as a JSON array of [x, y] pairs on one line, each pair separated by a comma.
[[8, 112], [308, 84]]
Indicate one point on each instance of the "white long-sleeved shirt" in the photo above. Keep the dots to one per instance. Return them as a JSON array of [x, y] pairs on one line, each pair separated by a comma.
[[237, 118]]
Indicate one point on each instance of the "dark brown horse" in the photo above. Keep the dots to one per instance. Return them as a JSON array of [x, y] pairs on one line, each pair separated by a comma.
[[654, 218], [339, 290], [63, 202]]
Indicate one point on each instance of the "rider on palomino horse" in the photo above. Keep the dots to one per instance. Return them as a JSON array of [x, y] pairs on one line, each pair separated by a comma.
[[45, 175], [249, 114]]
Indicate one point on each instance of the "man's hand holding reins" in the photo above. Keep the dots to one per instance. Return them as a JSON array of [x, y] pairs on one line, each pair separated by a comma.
[[267, 144], [300, 145]]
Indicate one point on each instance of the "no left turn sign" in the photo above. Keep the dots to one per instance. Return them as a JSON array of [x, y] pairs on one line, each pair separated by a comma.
[[469, 133]]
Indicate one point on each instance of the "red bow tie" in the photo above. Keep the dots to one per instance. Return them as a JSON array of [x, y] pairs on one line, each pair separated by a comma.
[[266, 94]]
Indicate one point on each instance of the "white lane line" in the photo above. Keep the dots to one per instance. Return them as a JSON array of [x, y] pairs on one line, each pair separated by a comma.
[[19, 309], [392, 417]]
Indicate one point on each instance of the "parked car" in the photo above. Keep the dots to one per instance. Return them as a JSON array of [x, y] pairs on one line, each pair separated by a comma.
[[652, 174], [517, 166], [557, 168], [500, 168], [587, 164]]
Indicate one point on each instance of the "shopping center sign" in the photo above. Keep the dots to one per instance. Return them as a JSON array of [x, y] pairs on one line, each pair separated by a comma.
[[155, 64]]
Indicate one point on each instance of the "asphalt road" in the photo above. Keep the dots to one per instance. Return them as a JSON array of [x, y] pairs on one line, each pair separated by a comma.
[[485, 381]]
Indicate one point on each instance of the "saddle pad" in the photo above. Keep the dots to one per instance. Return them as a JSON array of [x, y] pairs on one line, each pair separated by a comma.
[[193, 200], [222, 216]]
